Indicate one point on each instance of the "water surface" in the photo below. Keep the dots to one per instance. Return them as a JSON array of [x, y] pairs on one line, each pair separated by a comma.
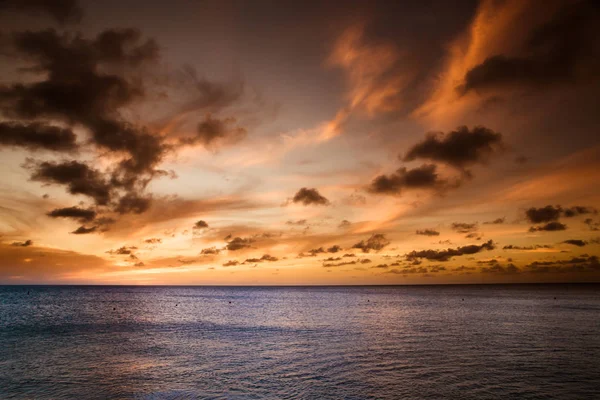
[[458, 342]]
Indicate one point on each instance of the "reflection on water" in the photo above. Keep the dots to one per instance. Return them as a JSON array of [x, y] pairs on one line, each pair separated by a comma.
[[479, 342]]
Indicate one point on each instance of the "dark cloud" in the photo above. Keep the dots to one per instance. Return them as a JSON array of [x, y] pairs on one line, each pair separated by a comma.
[[459, 148], [563, 50], [213, 131], [79, 214], [300, 222], [550, 226], [576, 264], [37, 136], [496, 268], [79, 178], [534, 247], [123, 251], [376, 242], [82, 230], [265, 257], [408, 271], [428, 232], [26, 243], [238, 243], [63, 11], [445, 255], [496, 221], [153, 241], [200, 224], [543, 214], [334, 249], [380, 266], [307, 197], [87, 83], [594, 226], [575, 242], [462, 227], [133, 203], [578, 210], [344, 224], [210, 251], [423, 177], [231, 263]]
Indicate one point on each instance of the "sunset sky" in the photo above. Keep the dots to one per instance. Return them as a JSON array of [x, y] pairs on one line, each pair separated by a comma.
[[278, 142]]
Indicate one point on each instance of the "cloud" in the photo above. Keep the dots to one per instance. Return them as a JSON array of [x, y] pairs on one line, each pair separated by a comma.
[[534, 247], [265, 257], [575, 242], [307, 197], [37, 136], [212, 132], [78, 177], [376, 242], [210, 251], [445, 255], [300, 222], [153, 241], [561, 50], [63, 11], [238, 243], [231, 263], [543, 214], [578, 210], [460, 148], [133, 203], [550, 226], [423, 177], [496, 268], [26, 243], [497, 221], [576, 264], [123, 251], [82, 230], [200, 224], [79, 214], [462, 227], [428, 232]]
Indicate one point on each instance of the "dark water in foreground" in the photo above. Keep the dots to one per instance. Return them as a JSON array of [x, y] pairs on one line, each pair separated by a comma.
[[315, 343]]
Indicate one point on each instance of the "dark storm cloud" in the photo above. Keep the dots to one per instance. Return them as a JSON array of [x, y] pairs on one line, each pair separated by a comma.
[[550, 226], [445, 255], [63, 11], [37, 136], [563, 50], [26, 243], [543, 214], [428, 232], [423, 177], [308, 196], [462, 227], [376, 242], [77, 88], [82, 230], [78, 177], [459, 148], [212, 130], [79, 214], [496, 221], [575, 242], [238, 243]]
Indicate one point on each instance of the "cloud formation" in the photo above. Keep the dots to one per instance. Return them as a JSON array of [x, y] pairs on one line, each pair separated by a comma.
[[446, 255], [308, 197]]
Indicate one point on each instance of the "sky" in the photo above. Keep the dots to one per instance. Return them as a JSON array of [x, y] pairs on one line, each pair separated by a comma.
[[299, 143]]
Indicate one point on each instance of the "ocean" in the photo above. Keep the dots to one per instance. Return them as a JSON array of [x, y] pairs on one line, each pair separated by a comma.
[[387, 342]]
